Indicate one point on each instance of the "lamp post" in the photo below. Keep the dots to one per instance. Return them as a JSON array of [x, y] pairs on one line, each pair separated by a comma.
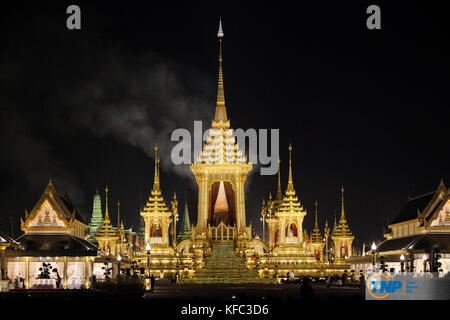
[[177, 266], [119, 258], [374, 247], [147, 278], [402, 263]]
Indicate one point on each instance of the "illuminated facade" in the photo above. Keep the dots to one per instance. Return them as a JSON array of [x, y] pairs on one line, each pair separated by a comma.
[[114, 241], [221, 167], [157, 215], [53, 241], [221, 229], [342, 236], [421, 227], [317, 243]]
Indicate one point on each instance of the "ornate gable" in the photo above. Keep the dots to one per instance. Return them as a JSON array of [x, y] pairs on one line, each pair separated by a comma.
[[49, 214], [435, 210], [441, 216]]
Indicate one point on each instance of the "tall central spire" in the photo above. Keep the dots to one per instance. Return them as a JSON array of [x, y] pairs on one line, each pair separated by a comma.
[[106, 205], [342, 209], [290, 186], [220, 117], [118, 214], [156, 186]]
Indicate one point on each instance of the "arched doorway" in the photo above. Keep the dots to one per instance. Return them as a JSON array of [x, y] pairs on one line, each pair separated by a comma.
[[221, 204], [155, 231]]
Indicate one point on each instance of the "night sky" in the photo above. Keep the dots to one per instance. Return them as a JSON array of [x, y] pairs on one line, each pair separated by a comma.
[[366, 109]]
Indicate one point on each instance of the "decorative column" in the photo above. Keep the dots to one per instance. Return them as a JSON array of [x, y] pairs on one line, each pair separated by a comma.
[[27, 272], [86, 272], [65, 273], [202, 202], [300, 231], [240, 202], [165, 228], [3, 270], [283, 232]]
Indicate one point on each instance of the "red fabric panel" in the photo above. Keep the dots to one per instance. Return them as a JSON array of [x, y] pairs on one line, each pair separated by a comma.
[[212, 200], [231, 203]]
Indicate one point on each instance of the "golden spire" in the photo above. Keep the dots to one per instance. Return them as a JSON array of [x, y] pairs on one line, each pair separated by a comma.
[[279, 194], [316, 225], [342, 210], [156, 187], [316, 236], [290, 187], [118, 214], [220, 117], [106, 205]]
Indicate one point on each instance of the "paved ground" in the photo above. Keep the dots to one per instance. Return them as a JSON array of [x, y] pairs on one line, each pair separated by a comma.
[[258, 291], [281, 299]]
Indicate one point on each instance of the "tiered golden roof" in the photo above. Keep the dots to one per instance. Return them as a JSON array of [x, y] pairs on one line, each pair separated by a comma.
[[155, 203], [316, 236], [106, 230], [290, 204], [342, 229], [221, 148]]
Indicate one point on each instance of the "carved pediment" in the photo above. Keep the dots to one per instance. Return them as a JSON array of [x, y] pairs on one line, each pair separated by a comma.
[[47, 217], [49, 214], [441, 217]]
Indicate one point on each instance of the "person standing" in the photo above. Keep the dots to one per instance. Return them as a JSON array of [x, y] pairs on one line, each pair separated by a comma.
[[152, 283]]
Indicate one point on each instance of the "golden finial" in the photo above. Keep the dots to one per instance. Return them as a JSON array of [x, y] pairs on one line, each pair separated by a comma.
[[156, 178], [106, 205], [342, 210], [290, 187], [118, 214], [221, 111]]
